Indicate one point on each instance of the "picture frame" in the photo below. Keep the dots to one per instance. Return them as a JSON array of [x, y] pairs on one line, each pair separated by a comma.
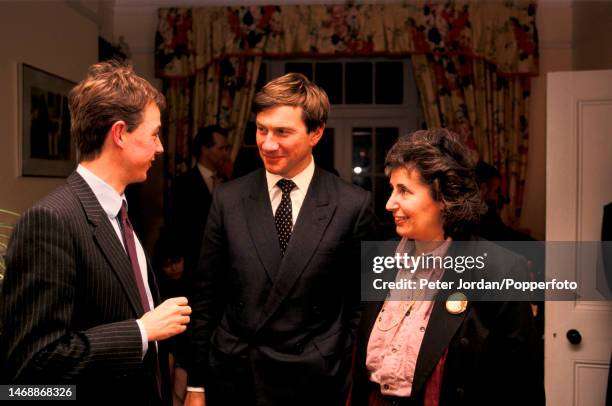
[[46, 148]]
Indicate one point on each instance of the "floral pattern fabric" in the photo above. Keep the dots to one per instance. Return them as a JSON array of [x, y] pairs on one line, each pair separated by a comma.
[[489, 111], [502, 33]]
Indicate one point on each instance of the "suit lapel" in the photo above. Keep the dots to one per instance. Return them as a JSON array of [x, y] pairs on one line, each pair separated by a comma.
[[201, 184], [260, 222], [315, 215], [106, 239], [441, 328]]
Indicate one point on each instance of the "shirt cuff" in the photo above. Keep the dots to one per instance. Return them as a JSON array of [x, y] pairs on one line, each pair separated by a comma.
[[195, 389], [144, 337]]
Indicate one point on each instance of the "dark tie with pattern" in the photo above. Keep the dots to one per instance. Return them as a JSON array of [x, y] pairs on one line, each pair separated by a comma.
[[130, 247], [282, 218]]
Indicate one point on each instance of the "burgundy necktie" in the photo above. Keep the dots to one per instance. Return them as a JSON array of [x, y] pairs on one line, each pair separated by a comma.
[[128, 238], [130, 246]]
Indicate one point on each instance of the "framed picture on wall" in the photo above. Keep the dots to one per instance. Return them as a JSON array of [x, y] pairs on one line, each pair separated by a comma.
[[45, 145]]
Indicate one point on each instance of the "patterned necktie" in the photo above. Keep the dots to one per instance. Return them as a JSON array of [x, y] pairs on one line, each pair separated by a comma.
[[130, 245], [283, 216]]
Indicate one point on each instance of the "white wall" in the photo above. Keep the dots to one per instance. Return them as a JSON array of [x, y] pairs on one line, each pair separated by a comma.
[[592, 27], [554, 24], [51, 36]]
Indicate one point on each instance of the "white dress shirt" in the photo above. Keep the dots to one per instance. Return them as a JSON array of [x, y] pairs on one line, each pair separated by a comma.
[[208, 176], [111, 202], [302, 182]]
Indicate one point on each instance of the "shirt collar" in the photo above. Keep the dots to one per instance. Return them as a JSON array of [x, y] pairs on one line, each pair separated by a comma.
[[108, 197], [302, 180], [204, 171], [407, 246]]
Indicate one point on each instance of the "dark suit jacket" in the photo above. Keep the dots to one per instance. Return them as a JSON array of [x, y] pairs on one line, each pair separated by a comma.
[[191, 203], [272, 330], [70, 303], [494, 355]]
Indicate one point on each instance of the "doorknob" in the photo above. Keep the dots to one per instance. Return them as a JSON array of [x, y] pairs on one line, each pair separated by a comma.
[[573, 336]]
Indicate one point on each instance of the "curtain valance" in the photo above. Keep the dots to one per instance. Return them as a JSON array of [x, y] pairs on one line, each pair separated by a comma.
[[503, 33]]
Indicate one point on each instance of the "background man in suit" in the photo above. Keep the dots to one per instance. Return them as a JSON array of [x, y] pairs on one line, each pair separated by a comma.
[[79, 299], [193, 192], [192, 196], [277, 299]]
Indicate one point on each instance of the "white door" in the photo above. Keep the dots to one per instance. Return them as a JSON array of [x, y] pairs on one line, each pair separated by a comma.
[[579, 184]]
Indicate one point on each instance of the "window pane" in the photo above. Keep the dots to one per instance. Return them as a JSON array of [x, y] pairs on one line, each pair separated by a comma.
[[323, 152], [389, 83], [362, 157], [358, 83], [385, 138], [305, 68], [328, 75]]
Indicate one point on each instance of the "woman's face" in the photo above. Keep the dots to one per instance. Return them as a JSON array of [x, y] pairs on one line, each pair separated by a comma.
[[417, 215]]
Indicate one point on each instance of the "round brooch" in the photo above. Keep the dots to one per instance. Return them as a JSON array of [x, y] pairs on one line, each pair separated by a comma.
[[456, 303]]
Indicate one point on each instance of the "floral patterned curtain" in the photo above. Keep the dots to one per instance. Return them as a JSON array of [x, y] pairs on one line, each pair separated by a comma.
[[472, 62], [489, 110]]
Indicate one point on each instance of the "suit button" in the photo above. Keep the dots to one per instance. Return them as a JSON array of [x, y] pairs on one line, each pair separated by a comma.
[[464, 342], [316, 310], [240, 305], [299, 348]]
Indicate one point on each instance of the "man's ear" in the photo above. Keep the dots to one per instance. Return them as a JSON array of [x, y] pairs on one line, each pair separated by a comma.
[[117, 133], [316, 135]]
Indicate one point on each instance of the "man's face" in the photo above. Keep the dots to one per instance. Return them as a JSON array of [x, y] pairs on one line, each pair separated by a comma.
[[217, 155], [142, 144], [285, 145]]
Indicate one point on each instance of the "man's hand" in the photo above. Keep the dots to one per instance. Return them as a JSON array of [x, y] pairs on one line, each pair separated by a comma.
[[166, 320], [195, 399]]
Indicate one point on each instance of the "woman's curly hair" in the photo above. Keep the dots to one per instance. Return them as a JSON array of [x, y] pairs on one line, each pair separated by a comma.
[[443, 163]]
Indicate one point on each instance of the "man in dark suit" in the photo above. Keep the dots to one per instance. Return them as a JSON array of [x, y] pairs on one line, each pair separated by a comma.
[[80, 302], [193, 192], [277, 300]]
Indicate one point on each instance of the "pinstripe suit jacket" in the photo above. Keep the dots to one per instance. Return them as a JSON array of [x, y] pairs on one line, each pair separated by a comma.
[[70, 303]]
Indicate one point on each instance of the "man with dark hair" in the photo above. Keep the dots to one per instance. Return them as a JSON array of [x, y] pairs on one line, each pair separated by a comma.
[[211, 149], [80, 304], [192, 196], [277, 298], [193, 191]]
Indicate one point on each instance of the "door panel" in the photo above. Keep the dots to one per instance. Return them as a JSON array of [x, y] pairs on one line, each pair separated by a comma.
[[579, 184]]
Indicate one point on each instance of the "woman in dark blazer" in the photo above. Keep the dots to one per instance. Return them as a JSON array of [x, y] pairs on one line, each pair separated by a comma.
[[418, 347]]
